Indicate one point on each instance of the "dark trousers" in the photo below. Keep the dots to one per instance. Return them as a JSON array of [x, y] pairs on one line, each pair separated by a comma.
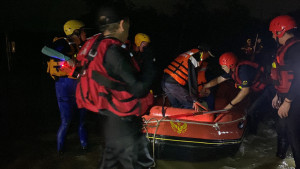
[[179, 96], [260, 104], [288, 132], [293, 130], [65, 93], [125, 145]]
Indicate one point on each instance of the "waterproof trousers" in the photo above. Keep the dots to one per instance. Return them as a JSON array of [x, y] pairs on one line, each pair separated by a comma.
[[179, 96], [288, 131], [65, 93], [260, 107], [293, 130], [125, 145]]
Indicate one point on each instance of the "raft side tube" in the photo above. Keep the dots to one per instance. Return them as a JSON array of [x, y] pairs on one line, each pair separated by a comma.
[[187, 114]]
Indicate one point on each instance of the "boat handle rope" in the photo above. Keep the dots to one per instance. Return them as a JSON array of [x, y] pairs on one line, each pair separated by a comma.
[[163, 119], [216, 126], [147, 136], [189, 122]]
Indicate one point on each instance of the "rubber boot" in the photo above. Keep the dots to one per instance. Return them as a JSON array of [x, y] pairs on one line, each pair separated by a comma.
[[282, 147], [252, 125]]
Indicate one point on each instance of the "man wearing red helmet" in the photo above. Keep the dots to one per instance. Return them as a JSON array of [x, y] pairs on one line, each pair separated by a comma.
[[246, 74], [286, 76]]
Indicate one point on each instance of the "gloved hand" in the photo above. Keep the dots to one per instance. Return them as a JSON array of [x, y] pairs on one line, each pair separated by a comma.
[[66, 67], [148, 54]]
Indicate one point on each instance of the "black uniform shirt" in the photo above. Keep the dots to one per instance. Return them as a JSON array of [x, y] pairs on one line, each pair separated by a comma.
[[117, 62], [246, 75]]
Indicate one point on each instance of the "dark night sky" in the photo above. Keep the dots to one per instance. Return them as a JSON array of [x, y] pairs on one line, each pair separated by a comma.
[[50, 14], [258, 8]]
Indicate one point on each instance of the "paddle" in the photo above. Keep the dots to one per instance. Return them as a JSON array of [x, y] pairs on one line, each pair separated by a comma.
[[54, 54]]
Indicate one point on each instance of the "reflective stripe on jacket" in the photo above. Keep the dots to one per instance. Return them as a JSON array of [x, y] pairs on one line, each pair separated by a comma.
[[178, 68]]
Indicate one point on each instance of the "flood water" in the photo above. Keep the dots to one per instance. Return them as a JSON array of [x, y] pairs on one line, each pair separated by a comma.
[[256, 152], [37, 150]]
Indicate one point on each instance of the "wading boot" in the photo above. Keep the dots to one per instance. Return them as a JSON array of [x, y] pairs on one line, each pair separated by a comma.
[[282, 147]]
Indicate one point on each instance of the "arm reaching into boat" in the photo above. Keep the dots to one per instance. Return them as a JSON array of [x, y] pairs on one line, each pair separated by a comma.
[[205, 90], [241, 95]]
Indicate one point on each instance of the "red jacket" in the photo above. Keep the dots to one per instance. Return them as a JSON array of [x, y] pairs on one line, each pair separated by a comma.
[[97, 91], [281, 74]]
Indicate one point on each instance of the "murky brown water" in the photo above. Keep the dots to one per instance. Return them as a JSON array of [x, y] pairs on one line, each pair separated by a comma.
[[39, 152]]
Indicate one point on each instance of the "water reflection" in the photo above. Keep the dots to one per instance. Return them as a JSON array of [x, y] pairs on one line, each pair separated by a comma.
[[256, 152]]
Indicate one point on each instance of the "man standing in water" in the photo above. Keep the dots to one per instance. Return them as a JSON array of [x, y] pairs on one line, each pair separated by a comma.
[[65, 84], [286, 75], [113, 87]]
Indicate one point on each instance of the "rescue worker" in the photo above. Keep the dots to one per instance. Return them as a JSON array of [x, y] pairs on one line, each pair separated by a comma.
[[286, 76], [246, 74], [65, 84], [183, 78], [248, 49], [141, 41], [117, 90]]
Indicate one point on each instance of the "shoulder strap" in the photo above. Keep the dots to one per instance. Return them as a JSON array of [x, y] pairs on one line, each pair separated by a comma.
[[93, 51]]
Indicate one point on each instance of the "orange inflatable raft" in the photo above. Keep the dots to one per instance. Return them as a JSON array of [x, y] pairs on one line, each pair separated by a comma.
[[183, 134]]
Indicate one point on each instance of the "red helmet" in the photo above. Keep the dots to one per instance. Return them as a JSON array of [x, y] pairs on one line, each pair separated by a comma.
[[282, 24], [229, 59]]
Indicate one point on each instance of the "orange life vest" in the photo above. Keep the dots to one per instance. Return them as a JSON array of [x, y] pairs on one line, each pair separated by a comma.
[[281, 74], [178, 68], [201, 79], [54, 66]]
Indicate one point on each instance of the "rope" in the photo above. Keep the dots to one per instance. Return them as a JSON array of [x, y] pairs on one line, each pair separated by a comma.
[[147, 135], [154, 120], [198, 123]]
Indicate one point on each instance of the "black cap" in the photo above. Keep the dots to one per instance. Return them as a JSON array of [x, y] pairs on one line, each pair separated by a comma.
[[109, 14], [206, 48]]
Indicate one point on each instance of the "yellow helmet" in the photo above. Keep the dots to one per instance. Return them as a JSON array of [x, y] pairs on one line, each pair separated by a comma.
[[71, 25], [141, 37]]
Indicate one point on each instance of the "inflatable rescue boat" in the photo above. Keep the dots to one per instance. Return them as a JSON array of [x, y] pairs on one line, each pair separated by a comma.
[[186, 135]]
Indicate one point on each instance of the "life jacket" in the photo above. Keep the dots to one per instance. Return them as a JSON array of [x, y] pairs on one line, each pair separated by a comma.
[[178, 68], [281, 74], [55, 65], [97, 91], [258, 83], [201, 79]]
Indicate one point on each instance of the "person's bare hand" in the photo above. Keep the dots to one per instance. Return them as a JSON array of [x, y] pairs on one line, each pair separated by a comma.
[[275, 102], [204, 92], [283, 110]]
